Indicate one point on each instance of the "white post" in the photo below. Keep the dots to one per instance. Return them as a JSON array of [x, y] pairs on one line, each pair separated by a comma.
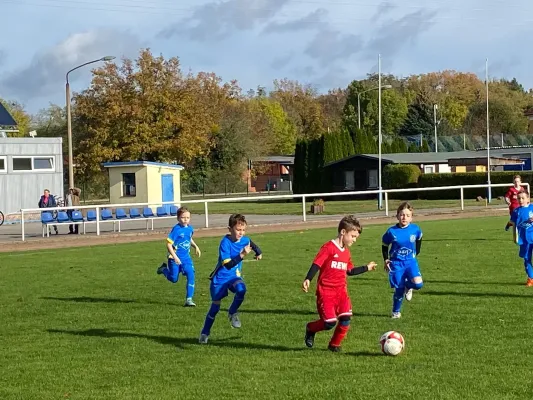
[[462, 199], [97, 221], [22, 225], [386, 203], [206, 215], [303, 209], [435, 106], [489, 191], [380, 198]]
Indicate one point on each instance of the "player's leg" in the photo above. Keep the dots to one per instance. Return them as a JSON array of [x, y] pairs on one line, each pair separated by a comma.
[[413, 280], [527, 265], [397, 282], [187, 269], [172, 271], [344, 315], [218, 292], [239, 288], [328, 318]]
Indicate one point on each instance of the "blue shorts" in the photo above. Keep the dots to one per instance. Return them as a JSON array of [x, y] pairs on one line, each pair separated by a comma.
[[220, 290], [185, 268], [402, 271]]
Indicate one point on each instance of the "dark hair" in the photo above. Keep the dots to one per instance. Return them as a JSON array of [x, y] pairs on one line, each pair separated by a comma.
[[404, 206], [235, 219], [182, 211], [350, 223]]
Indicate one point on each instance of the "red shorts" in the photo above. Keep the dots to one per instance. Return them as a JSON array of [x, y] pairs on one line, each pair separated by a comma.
[[333, 303]]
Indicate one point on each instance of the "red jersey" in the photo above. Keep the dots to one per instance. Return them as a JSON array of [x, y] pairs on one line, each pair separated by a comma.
[[334, 262], [512, 195]]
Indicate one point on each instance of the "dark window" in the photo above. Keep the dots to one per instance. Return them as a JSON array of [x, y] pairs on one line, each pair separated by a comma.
[[2, 164], [128, 184], [22, 164]]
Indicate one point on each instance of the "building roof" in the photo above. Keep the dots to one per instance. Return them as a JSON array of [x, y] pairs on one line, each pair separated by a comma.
[[5, 117], [140, 164], [30, 140], [276, 159]]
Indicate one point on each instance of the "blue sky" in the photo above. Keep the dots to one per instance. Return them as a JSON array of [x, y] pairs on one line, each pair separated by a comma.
[[325, 43]]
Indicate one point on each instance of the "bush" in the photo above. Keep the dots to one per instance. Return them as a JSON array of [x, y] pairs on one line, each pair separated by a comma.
[[399, 176], [467, 178]]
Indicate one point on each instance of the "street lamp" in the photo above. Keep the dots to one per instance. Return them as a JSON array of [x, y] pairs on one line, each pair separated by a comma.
[[489, 191], [359, 101], [69, 123], [380, 196]]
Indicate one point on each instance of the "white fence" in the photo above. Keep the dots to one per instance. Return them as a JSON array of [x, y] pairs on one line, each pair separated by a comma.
[[303, 197]]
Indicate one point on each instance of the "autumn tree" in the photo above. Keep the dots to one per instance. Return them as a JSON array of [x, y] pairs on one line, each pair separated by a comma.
[[21, 117]]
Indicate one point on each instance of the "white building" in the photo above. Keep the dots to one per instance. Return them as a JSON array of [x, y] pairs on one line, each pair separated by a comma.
[[27, 167]]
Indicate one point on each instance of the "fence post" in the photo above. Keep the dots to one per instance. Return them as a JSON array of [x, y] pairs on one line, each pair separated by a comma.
[[462, 199], [22, 224], [206, 215], [386, 204], [97, 221], [303, 208]]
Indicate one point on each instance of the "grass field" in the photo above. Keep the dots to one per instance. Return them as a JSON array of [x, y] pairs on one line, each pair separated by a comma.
[[98, 323], [332, 207]]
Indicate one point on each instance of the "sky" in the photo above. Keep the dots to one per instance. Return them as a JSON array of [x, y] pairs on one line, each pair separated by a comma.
[[323, 43]]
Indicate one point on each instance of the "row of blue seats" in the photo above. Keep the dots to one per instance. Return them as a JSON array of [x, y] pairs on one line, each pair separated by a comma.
[[106, 215]]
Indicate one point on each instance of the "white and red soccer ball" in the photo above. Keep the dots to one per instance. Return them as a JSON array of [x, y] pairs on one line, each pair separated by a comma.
[[392, 343]]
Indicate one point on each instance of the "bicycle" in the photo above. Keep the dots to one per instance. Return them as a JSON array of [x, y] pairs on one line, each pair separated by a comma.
[[2, 219]]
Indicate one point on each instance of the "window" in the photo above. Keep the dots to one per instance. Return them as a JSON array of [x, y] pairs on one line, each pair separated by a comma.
[[39, 163], [3, 164], [128, 185], [349, 180], [429, 169], [373, 178]]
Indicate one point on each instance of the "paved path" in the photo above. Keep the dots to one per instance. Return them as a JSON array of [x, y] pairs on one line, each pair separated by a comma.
[[33, 231]]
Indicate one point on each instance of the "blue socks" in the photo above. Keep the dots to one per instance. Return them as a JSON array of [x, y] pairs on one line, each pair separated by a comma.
[[240, 291], [210, 318], [529, 268]]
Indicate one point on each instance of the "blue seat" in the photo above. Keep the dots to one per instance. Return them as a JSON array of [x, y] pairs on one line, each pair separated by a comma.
[[134, 213], [62, 217], [76, 216], [91, 215], [47, 218], [161, 212], [120, 213], [147, 212], [173, 210], [106, 214]]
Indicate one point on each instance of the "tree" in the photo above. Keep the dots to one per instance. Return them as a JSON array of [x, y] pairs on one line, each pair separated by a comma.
[[20, 116], [419, 121]]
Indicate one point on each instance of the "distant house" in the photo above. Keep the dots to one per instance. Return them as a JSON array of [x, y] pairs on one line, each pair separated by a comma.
[[271, 173], [360, 172], [7, 122]]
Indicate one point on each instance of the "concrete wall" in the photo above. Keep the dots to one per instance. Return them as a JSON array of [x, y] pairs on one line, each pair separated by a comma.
[[154, 192], [116, 195]]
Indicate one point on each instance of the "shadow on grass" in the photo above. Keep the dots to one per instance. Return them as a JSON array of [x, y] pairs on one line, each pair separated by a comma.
[[492, 283], [181, 343], [478, 294]]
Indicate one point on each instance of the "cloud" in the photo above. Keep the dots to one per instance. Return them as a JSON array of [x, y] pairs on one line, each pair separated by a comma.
[[329, 45], [217, 20], [3, 56], [46, 71], [392, 35], [310, 21], [282, 61], [383, 9]]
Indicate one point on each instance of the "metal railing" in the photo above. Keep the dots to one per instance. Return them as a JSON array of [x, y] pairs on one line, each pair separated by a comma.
[[303, 197]]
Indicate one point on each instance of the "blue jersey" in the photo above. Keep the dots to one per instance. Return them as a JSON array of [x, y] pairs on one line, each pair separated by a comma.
[[402, 242], [227, 251], [520, 218], [180, 238]]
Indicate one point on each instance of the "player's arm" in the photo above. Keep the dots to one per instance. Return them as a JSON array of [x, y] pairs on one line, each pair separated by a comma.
[[386, 240], [418, 242], [196, 248], [318, 262], [362, 269], [256, 250], [229, 263], [172, 252]]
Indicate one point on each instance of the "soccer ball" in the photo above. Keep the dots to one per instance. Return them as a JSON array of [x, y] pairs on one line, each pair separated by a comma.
[[392, 343]]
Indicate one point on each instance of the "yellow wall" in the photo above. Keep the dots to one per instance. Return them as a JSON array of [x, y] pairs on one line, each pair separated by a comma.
[[115, 185], [155, 194], [481, 168], [460, 169]]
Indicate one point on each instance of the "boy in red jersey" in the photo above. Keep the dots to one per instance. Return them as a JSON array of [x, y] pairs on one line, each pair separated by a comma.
[[333, 303], [511, 197]]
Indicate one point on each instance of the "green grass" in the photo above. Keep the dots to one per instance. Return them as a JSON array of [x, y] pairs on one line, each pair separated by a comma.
[[97, 323], [270, 207]]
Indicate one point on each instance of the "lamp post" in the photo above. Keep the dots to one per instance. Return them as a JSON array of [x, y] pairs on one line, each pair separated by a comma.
[[69, 122], [435, 108], [489, 194], [359, 101], [380, 196]]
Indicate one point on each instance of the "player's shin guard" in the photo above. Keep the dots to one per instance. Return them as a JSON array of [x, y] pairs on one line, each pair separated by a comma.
[[529, 268], [210, 318], [240, 291], [397, 299], [340, 332]]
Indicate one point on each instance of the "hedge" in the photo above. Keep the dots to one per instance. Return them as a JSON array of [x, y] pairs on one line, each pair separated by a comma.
[[399, 176], [466, 178]]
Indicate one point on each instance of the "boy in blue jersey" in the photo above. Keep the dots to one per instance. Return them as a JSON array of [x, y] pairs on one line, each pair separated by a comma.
[[179, 242], [405, 240], [227, 274], [522, 218]]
